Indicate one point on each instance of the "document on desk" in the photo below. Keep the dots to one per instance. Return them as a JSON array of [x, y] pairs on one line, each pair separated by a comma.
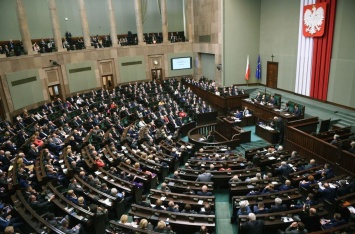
[[200, 202], [250, 186], [97, 172], [286, 114], [321, 185], [163, 198], [272, 158], [351, 209], [286, 219]]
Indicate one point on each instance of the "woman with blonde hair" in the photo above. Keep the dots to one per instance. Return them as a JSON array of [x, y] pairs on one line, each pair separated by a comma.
[[124, 220]]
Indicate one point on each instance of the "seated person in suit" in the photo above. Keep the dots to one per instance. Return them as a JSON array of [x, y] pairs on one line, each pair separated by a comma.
[[253, 226], [203, 230], [162, 228], [310, 201], [187, 209], [246, 111], [206, 210], [258, 97], [284, 169], [286, 108], [210, 137], [326, 173], [65, 227], [286, 186], [244, 208], [238, 114], [272, 101], [270, 188], [158, 205], [264, 99], [260, 208], [278, 206], [164, 187], [204, 176], [234, 179], [204, 191], [327, 193], [312, 163], [296, 228], [343, 188], [296, 110], [336, 141], [172, 207], [225, 167], [352, 148], [335, 222], [306, 184]]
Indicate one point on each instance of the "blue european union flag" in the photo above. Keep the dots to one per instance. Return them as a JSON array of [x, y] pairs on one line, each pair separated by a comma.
[[258, 70]]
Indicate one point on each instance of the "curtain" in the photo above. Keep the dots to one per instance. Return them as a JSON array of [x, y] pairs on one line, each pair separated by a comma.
[[144, 4]]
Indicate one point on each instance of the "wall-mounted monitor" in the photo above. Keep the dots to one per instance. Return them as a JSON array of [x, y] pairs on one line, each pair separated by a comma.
[[181, 63]]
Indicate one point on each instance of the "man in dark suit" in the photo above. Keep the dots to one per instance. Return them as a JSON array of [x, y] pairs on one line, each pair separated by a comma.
[[204, 176], [335, 222], [100, 217], [327, 193], [284, 170], [40, 205], [286, 186], [253, 226], [258, 97], [204, 191], [311, 220], [278, 206]]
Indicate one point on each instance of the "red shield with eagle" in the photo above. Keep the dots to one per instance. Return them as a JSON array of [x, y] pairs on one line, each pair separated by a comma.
[[314, 19]]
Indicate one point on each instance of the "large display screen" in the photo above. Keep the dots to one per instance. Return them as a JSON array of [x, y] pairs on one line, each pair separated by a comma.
[[181, 63]]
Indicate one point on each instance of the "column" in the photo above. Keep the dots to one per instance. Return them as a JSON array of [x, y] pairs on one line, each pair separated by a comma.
[[84, 24], [138, 12], [189, 20], [22, 21], [111, 16], [164, 19], [55, 26]]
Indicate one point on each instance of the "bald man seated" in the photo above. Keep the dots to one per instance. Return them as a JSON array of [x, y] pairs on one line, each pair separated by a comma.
[[204, 192]]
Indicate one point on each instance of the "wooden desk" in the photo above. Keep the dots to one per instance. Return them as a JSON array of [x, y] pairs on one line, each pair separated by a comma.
[[225, 103], [269, 198], [272, 221], [179, 185], [270, 136], [193, 200], [267, 112], [178, 221]]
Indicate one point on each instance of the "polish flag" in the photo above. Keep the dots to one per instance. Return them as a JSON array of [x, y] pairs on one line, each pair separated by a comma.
[[247, 70]]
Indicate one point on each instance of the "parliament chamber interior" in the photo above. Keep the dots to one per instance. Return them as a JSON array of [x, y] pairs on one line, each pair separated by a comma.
[[177, 116]]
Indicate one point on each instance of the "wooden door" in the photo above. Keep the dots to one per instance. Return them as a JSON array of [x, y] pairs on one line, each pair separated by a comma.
[[157, 74], [272, 72], [107, 82], [54, 92]]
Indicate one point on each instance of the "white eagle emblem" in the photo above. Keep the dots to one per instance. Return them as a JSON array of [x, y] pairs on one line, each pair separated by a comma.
[[313, 19]]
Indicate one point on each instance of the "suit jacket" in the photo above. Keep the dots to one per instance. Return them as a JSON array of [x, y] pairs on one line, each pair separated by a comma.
[[205, 177], [252, 227], [278, 208], [311, 222], [200, 193]]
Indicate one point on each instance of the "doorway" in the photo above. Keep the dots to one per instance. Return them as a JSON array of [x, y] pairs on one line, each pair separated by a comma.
[[272, 73], [54, 92], [157, 74], [107, 82]]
